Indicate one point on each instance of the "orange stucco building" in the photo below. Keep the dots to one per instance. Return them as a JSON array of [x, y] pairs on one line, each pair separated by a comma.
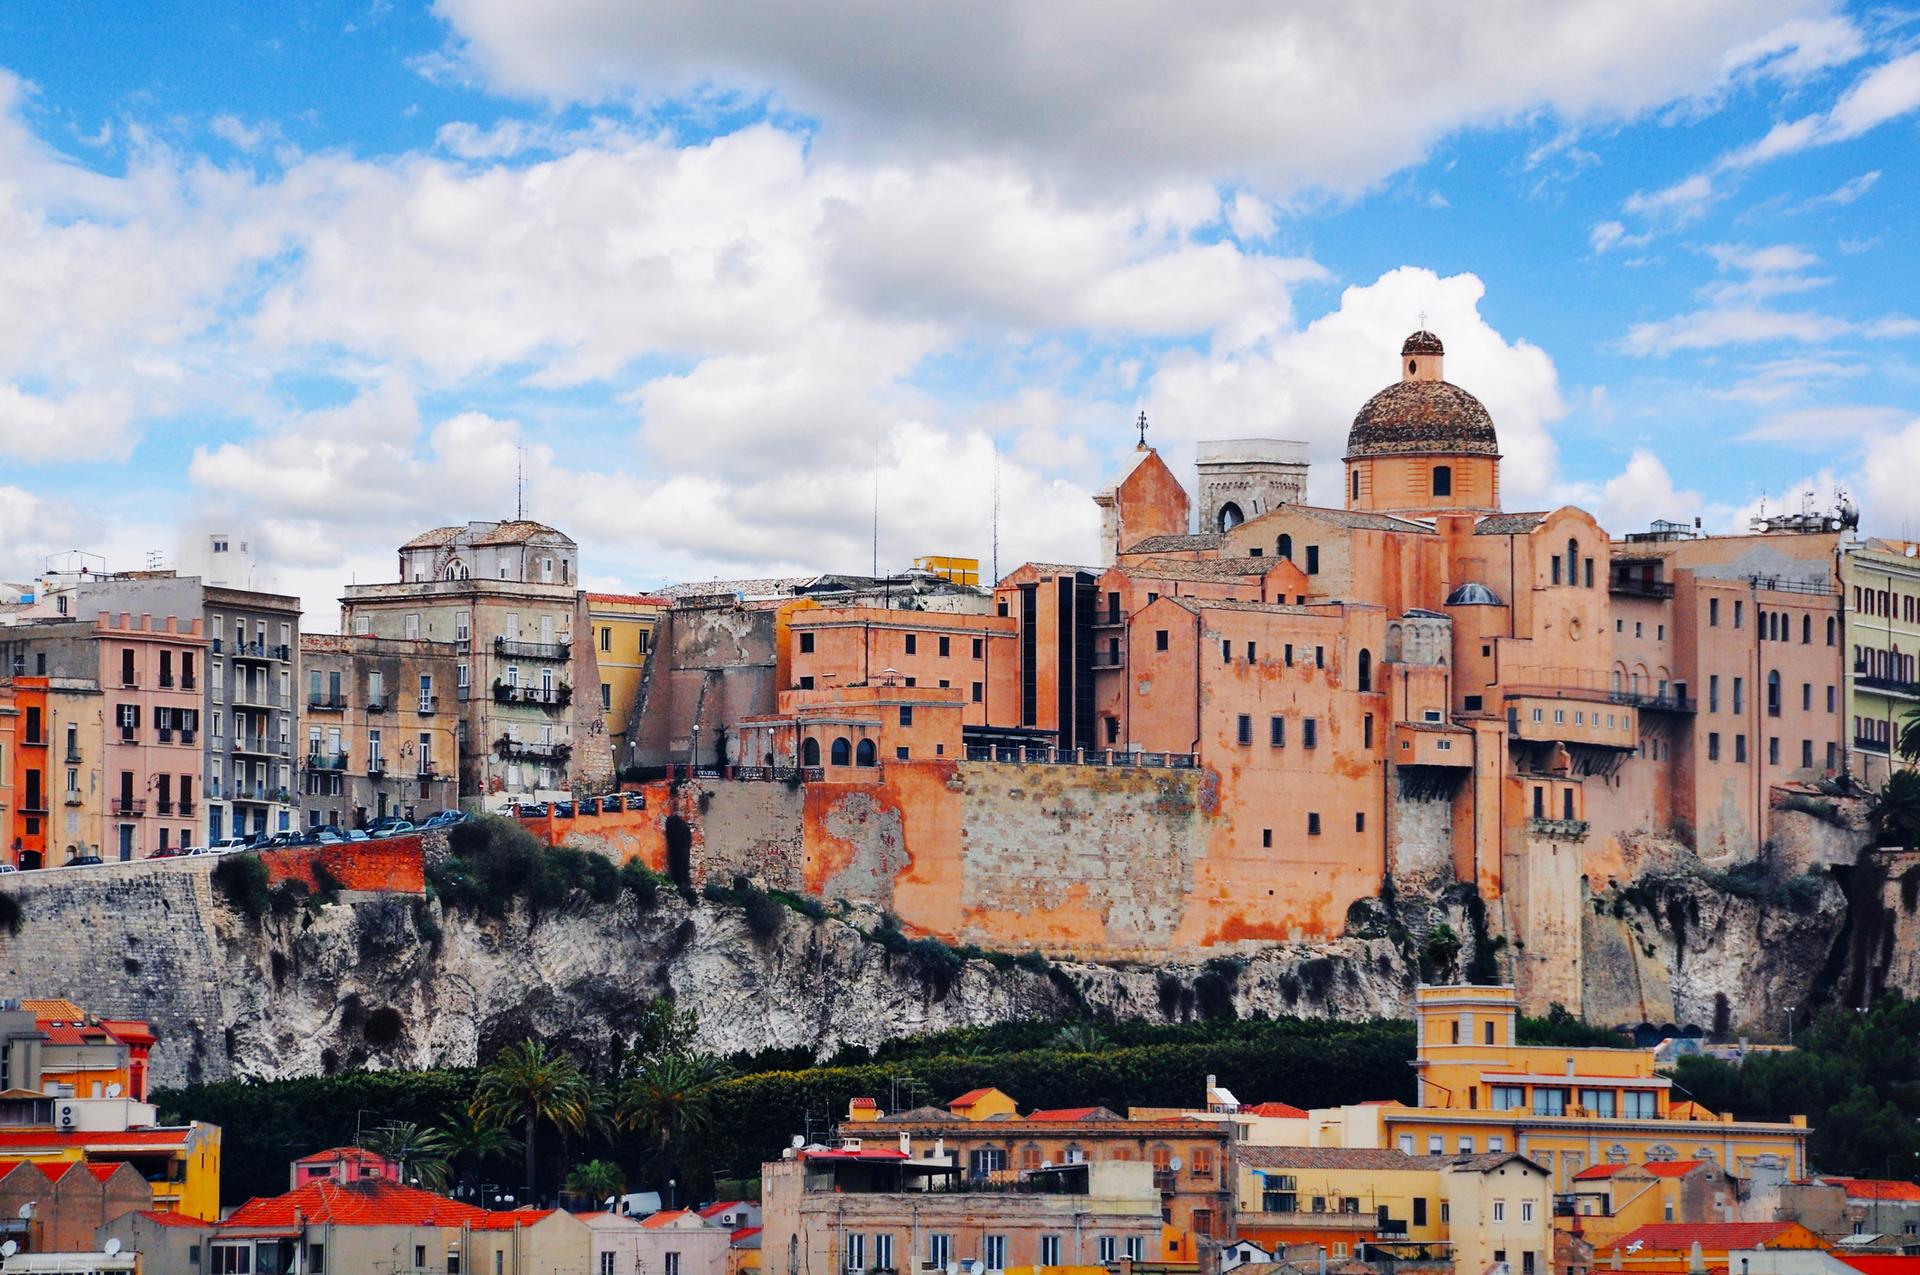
[[1234, 733]]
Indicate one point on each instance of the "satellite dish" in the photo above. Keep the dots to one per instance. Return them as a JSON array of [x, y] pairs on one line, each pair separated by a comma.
[[26, 1210], [9, 1249], [111, 1247], [113, 1090], [975, 1266], [1174, 1164], [953, 1268]]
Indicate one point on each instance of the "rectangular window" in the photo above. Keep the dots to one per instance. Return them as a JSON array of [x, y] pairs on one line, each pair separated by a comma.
[[1359, 821], [1740, 748], [945, 646], [1773, 750], [1050, 1250], [912, 646], [1160, 639], [1713, 745], [1366, 730], [1277, 732], [1136, 1248], [1499, 1210], [1313, 824], [856, 1252], [1245, 732], [906, 714], [1313, 560], [1509, 1097], [1109, 1250], [883, 1251], [1549, 1101], [1266, 838], [1739, 694], [979, 647], [670, 1263], [1226, 651], [1806, 754], [1639, 1104], [806, 644], [1526, 1213], [1597, 1102], [1713, 612], [939, 1249], [1436, 1144], [993, 1251], [1739, 613], [979, 692]]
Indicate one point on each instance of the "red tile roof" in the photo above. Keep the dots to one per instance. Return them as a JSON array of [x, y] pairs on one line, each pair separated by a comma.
[[506, 1221], [1881, 1263], [1069, 1113], [1875, 1188], [722, 1206], [1598, 1172], [653, 1221], [864, 1104], [372, 1203], [745, 1233], [172, 1219], [1671, 1168], [342, 1153], [970, 1097], [1279, 1110], [1712, 1237]]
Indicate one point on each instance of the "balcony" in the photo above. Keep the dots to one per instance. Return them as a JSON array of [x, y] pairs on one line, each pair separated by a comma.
[[166, 681], [376, 767], [255, 651], [426, 770], [34, 741], [1886, 685], [163, 807], [187, 683], [1557, 829], [511, 649], [73, 757], [1657, 703], [33, 805], [255, 697], [326, 761], [129, 807], [377, 704], [429, 705], [559, 696], [1862, 744], [1636, 587], [244, 791], [326, 703], [186, 810], [1108, 617], [508, 749], [186, 736], [260, 746], [74, 798]]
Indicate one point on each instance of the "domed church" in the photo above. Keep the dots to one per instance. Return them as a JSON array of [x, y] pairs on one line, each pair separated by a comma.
[[1424, 445]]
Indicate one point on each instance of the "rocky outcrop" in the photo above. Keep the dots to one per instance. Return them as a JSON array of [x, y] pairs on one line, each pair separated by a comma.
[[398, 981]]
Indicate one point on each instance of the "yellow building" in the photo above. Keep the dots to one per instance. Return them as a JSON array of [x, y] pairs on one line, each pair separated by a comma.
[[1381, 1204], [623, 629], [1562, 1107]]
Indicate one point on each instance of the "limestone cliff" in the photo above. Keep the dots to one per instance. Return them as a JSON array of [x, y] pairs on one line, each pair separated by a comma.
[[397, 981]]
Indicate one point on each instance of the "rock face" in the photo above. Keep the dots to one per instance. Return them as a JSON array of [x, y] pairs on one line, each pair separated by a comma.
[[397, 981]]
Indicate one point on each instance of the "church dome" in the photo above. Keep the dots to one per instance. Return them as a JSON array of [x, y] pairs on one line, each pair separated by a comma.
[[1473, 594], [1422, 342], [1422, 416]]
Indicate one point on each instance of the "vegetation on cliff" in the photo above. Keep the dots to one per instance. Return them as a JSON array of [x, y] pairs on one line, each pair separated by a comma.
[[655, 1110]]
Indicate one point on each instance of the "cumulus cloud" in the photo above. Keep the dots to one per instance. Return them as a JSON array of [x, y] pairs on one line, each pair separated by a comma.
[[85, 425], [1307, 383], [1320, 95]]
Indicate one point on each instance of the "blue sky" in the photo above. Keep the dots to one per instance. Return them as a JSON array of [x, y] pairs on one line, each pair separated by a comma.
[[324, 274]]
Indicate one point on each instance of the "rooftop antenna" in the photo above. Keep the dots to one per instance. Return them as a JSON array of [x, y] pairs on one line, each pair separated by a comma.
[[996, 511], [520, 486], [887, 595]]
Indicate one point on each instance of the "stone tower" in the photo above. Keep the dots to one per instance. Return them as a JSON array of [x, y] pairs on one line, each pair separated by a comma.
[[1242, 478]]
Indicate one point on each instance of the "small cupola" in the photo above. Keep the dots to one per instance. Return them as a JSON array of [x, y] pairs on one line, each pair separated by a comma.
[[1421, 356]]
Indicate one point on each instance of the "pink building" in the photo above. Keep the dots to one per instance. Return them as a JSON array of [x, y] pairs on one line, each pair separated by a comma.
[[149, 674]]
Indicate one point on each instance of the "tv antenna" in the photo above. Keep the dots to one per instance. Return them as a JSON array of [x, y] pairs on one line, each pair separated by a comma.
[[520, 485]]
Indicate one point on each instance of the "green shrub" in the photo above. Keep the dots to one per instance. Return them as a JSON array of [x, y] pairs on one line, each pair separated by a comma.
[[642, 882], [491, 862], [764, 915], [242, 878]]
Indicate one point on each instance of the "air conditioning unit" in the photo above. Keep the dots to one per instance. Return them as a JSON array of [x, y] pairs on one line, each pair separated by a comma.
[[65, 1115]]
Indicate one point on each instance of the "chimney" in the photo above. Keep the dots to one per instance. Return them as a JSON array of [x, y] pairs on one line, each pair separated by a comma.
[[1696, 1260]]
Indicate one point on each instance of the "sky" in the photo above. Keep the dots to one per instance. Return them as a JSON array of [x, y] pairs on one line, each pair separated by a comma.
[[734, 284]]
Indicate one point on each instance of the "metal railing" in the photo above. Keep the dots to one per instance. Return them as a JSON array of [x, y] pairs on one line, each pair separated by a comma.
[[1862, 743], [326, 761], [128, 806], [1028, 755], [1634, 588], [1893, 685], [429, 704], [255, 651], [1558, 829], [258, 698], [512, 648], [326, 703], [558, 697]]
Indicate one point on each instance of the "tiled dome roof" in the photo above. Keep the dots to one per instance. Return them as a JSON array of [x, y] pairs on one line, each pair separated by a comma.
[[1422, 342], [1422, 416]]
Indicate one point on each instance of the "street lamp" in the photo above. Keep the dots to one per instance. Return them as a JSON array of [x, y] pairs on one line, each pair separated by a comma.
[[1790, 1010]]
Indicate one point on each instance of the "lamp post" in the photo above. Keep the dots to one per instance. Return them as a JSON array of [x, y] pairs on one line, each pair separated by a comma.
[[1790, 1010]]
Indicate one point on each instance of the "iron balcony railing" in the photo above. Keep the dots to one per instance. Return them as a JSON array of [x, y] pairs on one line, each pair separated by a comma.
[[1633, 587], [1864, 744], [1036, 756], [512, 648], [326, 703], [255, 651], [128, 806], [326, 761]]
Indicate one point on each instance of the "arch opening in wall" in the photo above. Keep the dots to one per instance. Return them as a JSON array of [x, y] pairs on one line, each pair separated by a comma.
[[841, 752], [810, 752], [865, 754], [1365, 670], [1283, 547], [1230, 516]]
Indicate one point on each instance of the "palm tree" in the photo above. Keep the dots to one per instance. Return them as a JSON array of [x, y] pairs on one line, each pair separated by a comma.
[[1907, 744], [667, 1102], [526, 1082], [1080, 1038], [597, 1180], [1895, 811], [421, 1153], [472, 1143]]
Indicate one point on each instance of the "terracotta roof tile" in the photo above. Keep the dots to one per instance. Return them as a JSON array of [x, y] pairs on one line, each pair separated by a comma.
[[1875, 1188], [1369, 1158], [1175, 544], [970, 1097], [1422, 416], [1225, 569], [1062, 1115], [1712, 1237], [1508, 524], [1275, 1110], [371, 1203]]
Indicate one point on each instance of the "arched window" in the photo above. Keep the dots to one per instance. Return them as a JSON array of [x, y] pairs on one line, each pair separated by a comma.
[[864, 755], [1366, 669], [1806, 630], [1573, 561], [842, 751], [1830, 628], [1443, 480], [1230, 516], [1356, 484], [810, 752], [1284, 547]]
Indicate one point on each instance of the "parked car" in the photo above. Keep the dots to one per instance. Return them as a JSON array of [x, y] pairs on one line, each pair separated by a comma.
[[356, 834], [281, 840], [443, 819], [8, 867], [397, 829], [563, 810], [198, 851], [167, 852], [635, 800], [376, 826], [529, 810], [325, 837], [85, 861], [225, 844]]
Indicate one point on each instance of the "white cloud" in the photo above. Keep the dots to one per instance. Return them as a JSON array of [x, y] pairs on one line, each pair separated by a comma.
[[1823, 428], [1309, 383], [81, 426], [1736, 325], [1641, 492], [1852, 189], [1300, 96]]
